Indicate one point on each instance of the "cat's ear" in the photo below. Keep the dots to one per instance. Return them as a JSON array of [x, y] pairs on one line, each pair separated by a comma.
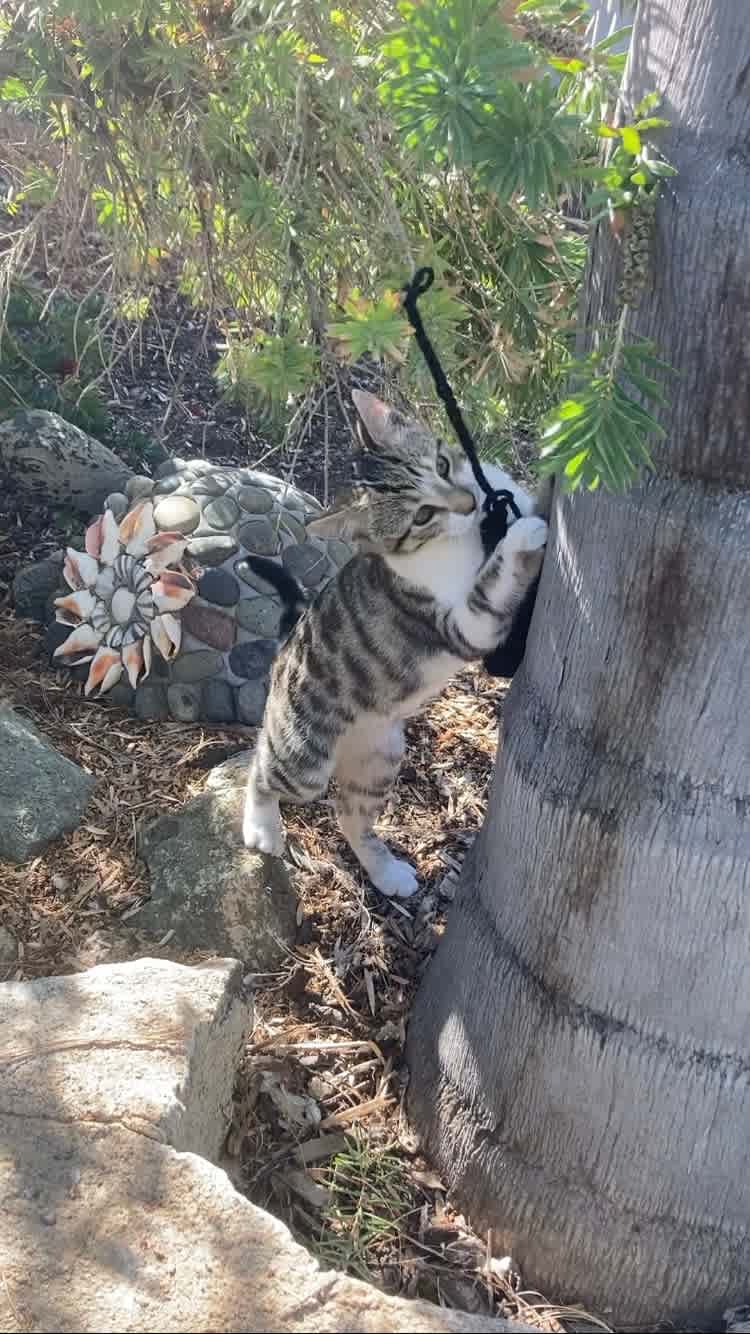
[[346, 520], [378, 423]]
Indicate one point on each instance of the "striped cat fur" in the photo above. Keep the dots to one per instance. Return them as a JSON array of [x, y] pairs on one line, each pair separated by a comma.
[[415, 603]]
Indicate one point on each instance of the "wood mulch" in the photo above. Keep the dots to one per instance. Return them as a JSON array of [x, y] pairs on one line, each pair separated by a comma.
[[319, 1098]]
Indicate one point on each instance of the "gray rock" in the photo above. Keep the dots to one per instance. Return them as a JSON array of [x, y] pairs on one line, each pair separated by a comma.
[[210, 486], [115, 1213], [306, 563], [260, 535], [213, 550], [293, 526], [42, 794], [177, 514], [167, 485], [117, 502], [212, 892], [221, 513], [218, 702], [260, 615], [34, 586], [252, 659], [251, 701], [122, 695], [139, 487], [219, 586], [197, 666], [231, 775], [254, 500], [151, 701], [184, 702], [55, 635], [169, 466], [44, 456]]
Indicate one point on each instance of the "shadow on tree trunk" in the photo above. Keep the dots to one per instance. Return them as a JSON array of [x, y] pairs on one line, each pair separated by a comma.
[[580, 1046]]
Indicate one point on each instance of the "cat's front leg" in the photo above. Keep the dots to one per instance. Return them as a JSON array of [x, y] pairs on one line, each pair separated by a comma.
[[486, 618]]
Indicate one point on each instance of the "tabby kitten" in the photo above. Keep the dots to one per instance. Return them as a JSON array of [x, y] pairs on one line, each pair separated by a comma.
[[416, 603]]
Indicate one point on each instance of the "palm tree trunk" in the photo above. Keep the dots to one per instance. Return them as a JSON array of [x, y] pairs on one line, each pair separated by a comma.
[[580, 1047]]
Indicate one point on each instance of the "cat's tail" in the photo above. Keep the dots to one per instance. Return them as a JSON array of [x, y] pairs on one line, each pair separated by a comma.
[[292, 595]]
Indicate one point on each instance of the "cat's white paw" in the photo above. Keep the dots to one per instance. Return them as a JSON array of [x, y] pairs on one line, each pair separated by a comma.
[[526, 534], [395, 879], [262, 829]]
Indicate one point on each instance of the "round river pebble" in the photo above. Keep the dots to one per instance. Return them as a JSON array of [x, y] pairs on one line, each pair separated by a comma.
[[219, 586], [221, 513], [177, 514]]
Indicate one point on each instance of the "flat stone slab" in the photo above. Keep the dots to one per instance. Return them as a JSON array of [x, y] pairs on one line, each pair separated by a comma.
[[115, 1087], [42, 793]]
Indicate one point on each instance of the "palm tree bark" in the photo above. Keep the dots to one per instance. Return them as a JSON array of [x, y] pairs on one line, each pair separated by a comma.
[[580, 1046]]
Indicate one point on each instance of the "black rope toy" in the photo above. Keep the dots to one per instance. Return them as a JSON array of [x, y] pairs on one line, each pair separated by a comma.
[[504, 660]]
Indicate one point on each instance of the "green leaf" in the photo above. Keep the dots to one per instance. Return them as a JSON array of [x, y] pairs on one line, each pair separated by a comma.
[[661, 168], [13, 90], [570, 64], [648, 103], [619, 35], [631, 139], [378, 328]]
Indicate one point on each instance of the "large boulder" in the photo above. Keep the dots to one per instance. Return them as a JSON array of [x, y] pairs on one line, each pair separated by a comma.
[[42, 794], [44, 456], [116, 1092], [210, 892]]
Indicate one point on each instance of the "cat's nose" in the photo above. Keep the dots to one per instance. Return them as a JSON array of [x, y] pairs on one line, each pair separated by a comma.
[[463, 502]]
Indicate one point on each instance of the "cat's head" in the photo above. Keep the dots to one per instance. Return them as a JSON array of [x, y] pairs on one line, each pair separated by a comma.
[[412, 488]]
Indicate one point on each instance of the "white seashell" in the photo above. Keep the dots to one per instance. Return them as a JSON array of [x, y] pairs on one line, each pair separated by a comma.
[[122, 605], [132, 657], [136, 529], [93, 539], [105, 669], [83, 637], [110, 538], [164, 549], [79, 604], [80, 570], [172, 591], [166, 634], [105, 582]]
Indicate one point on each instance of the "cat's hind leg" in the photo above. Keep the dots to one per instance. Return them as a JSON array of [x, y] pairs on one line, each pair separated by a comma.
[[289, 764], [367, 761]]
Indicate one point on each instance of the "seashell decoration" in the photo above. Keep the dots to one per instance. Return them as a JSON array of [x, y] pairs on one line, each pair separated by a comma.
[[124, 598], [166, 611]]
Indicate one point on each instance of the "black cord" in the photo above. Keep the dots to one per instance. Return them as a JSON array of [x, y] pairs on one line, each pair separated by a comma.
[[506, 658], [494, 525]]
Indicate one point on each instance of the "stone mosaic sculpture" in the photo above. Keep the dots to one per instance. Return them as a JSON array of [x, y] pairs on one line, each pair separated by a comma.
[[164, 611]]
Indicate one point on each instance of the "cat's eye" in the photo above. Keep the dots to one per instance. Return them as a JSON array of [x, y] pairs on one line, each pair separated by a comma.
[[423, 515], [442, 466]]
